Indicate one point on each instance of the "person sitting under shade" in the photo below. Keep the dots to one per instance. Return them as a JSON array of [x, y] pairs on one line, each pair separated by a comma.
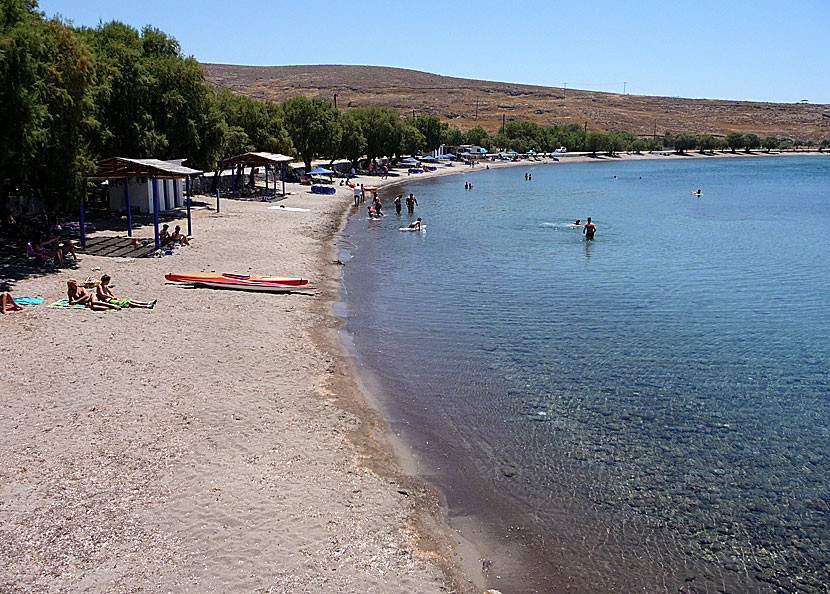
[[36, 250], [106, 295], [179, 237], [54, 243]]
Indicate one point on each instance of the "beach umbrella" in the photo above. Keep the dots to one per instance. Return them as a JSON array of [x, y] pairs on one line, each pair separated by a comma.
[[443, 157], [429, 159], [449, 155], [320, 171], [410, 160], [465, 154]]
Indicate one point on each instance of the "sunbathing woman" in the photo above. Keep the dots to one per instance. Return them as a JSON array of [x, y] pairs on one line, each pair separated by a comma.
[[78, 295], [7, 301], [106, 295]]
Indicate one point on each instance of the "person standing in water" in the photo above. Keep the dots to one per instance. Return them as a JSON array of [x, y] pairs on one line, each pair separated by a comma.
[[589, 229], [398, 203], [410, 203]]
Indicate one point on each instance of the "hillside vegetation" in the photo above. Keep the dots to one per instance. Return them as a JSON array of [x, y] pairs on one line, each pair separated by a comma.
[[466, 103]]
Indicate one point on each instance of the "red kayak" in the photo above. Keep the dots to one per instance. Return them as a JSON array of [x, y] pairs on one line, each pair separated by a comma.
[[226, 276]]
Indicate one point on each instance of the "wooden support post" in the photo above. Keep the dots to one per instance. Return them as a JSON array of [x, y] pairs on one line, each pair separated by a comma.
[[129, 210]]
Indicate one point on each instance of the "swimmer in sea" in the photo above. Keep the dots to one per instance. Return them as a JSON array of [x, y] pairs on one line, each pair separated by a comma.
[[589, 229], [415, 224], [577, 222]]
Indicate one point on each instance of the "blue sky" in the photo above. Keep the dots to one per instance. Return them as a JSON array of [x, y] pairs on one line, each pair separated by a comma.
[[758, 50]]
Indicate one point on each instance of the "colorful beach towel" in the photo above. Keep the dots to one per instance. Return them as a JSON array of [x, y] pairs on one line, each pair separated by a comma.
[[28, 300], [64, 304]]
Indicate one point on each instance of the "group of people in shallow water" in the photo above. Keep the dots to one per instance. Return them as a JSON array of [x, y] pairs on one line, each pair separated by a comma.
[[376, 208]]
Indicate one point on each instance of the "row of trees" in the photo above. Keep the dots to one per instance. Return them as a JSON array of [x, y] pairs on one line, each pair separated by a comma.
[[72, 95], [526, 136]]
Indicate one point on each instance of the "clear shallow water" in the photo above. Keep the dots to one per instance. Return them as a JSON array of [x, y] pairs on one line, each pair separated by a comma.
[[649, 411]]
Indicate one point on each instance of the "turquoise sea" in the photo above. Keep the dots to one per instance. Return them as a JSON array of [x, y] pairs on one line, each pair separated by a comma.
[[646, 412]]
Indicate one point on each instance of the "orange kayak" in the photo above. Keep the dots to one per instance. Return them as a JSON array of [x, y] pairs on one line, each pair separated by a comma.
[[216, 276]]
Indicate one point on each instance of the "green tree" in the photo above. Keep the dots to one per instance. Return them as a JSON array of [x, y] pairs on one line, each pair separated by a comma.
[[150, 100], [594, 142], [479, 137], [654, 144], [314, 127], [614, 142], [430, 129], [352, 140], [452, 136], [383, 129], [683, 142], [751, 141], [705, 142], [45, 75], [735, 140], [770, 142], [413, 141], [638, 146]]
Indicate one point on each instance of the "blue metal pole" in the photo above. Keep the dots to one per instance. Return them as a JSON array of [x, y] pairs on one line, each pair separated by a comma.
[[217, 199], [129, 213], [156, 211], [266, 182], [283, 179], [83, 224], [189, 229], [233, 183]]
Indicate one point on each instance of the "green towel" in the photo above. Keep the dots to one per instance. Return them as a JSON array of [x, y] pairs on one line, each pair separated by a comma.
[[64, 304]]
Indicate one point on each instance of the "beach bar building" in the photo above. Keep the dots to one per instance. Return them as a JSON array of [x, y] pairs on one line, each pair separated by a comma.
[[156, 185]]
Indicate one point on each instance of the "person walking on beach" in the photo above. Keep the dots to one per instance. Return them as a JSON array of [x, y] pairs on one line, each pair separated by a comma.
[[589, 229], [398, 203], [410, 203]]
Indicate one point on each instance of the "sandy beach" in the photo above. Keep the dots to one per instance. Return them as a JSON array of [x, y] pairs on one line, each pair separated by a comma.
[[220, 442]]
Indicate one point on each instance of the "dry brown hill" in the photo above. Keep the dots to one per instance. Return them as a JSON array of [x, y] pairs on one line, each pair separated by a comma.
[[466, 103]]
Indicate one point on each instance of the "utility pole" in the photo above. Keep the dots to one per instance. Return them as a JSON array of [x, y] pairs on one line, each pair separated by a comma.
[[564, 90], [476, 106], [624, 85], [335, 101], [586, 127], [503, 125]]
